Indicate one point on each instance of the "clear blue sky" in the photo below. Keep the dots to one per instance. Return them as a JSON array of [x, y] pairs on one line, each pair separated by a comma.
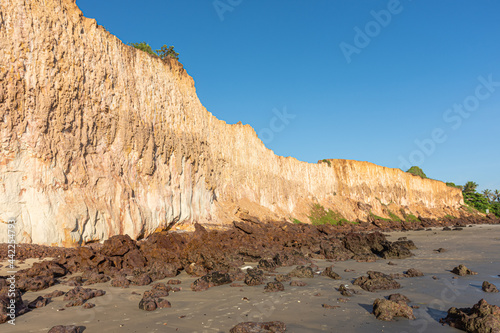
[[359, 88]]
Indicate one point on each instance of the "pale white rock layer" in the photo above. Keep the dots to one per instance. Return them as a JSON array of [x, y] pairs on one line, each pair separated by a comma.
[[98, 139]]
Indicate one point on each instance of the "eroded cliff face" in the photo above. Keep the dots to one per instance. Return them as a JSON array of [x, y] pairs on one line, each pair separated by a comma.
[[98, 139]]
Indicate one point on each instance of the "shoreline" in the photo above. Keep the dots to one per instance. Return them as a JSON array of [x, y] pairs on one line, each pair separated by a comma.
[[220, 308]]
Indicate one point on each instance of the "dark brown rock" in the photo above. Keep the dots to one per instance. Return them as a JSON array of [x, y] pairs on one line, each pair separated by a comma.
[[297, 283], [399, 298], [302, 272], [345, 291], [161, 270], [55, 293], [163, 303], [412, 272], [397, 250], [254, 327], [47, 268], [195, 269], [376, 281], [174, 282], [328, 306], [88, 305], [118, 245], [79, 295], [489, 288], [38, 302], [151, 300], [211, 280], [96, 278], [120, 281], [330, 273], [274, 287], [282, 278], [267, 265], [481, 318], [148, 304], [141, 280], [134, 259], [76, 302], [66, 329], [160, 289], [254, 277], [386, 310], [462, 271], [36, 283], [74, 281]]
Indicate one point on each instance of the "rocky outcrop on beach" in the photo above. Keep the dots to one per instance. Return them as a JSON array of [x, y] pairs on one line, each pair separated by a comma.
[[217, 253], [384, 309], [489, 287], [100, 139], [375, 281], [461, 270], [481, 318]]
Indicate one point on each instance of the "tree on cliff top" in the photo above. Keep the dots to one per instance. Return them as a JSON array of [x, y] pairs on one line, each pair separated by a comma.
[[470, 187], [164, 52], [415, 170], [167, 52]]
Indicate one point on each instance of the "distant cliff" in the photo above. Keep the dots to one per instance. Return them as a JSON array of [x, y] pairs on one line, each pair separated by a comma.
[[98, 139]]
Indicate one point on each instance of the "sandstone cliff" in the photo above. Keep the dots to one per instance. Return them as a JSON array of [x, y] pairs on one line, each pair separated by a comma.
[[98, 138]]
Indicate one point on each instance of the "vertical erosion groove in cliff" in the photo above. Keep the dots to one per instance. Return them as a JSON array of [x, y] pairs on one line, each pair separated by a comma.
[[98, 139]]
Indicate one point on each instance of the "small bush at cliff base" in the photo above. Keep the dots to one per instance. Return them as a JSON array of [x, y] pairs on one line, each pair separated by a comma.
[[319, 215], [376, 217], [394, 217], [411, 218]]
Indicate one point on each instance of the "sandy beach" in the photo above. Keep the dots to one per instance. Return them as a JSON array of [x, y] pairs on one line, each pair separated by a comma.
[[220, 308]]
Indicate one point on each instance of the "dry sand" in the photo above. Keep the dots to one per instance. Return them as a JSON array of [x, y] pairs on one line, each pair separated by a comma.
[[220, 308]]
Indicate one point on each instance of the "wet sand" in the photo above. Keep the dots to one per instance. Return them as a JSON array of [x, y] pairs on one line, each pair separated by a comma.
[[220, 308]]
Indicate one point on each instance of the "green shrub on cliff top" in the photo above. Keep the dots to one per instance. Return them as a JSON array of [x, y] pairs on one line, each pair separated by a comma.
[[415, 170], [453, 185], [164, 52], [143, 46], [325, 161]]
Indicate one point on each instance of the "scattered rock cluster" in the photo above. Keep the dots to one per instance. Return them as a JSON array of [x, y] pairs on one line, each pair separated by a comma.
[[153, 299]]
